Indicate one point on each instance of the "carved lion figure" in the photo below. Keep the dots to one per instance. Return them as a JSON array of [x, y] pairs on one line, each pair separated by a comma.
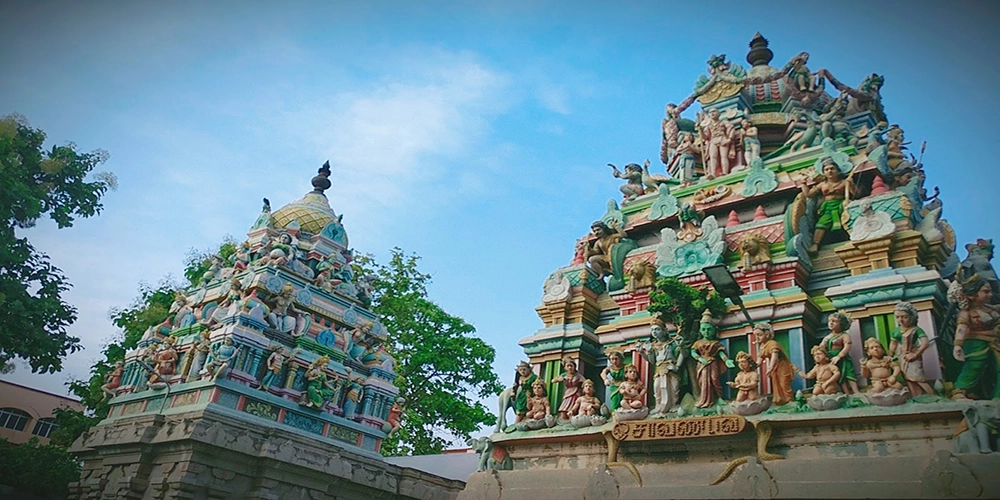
[[641, 274], [754, 249]]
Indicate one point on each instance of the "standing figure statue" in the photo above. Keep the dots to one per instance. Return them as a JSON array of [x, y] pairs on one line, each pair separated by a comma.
[[977, 339], [352, 398], [751, 143], [668, 147], [275, 362], [778, 368], [835, 189], [712, 363], [666, 355], [908, 343], [837, 344], [683, 162], [199, 355], [613, 375], [718, 136], [571, 381]]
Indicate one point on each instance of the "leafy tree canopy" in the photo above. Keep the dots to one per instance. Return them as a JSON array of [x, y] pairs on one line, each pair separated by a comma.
[[36, 183], [37, 468], [443, 369], [681, 304]]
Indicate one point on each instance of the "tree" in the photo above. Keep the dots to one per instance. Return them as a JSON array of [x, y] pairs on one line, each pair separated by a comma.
[[33, 316], [682, 305], [40, 469], [442, 368]]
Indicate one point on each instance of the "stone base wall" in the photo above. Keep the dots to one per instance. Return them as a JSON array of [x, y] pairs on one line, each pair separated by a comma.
[[211, 454], [902, 452]]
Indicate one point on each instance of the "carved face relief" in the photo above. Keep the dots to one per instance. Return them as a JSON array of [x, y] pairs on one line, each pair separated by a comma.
[[707, 331]]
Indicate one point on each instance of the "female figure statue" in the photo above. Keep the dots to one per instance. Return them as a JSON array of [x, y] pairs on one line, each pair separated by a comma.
[[712, 363], [977, 339], [747, 380], [571, 382], [275, 362], [218, 363], [837, 344], [908, 343], [835, 188], [355, 391], [778, 368], [613, 375], [319, 390], [598, 253], [522, 385], [825, 373]]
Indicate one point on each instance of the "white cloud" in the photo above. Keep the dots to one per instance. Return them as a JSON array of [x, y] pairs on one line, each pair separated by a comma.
[[553, 98]]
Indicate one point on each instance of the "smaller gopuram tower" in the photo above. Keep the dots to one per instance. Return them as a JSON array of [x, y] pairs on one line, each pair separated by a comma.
[[269, 379]]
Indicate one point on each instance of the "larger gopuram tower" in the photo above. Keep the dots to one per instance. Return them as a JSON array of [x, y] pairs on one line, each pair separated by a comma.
[[796, 184], [269, 379]]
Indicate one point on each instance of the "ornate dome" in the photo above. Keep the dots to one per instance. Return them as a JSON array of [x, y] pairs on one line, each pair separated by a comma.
[[312, 212], [759, 57]]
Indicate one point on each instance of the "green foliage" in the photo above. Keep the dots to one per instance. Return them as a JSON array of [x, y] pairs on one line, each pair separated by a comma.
[[681, 304], [442, 367], [149, 308], [37, 468], [35, 183], [71, 425], [198, 262]]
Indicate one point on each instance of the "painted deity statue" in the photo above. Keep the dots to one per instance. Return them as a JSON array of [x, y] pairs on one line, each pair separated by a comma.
[[587, 404], [881, 371], [352, 397], [113, 380], [838, 348], [712, 363], [683, 162], [746, 380], [824, 372], [165, 361], [538, 404], [275, 362], [614, 375], [802, 79], [778, 368], [571, 381], [835, 188], [751, 143], [218, 362], [666, 355], [907, 344], [598, 253], [977, 339], [521, 388], [319, 390], [633, 390], [633, 181], [199, 355], [668, 148], [718, 136], [395, 415]]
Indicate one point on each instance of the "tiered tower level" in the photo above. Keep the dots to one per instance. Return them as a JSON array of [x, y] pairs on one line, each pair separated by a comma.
[[816, 204], [269, 379]]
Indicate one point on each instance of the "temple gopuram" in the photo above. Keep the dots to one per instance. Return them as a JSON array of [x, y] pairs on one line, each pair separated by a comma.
[[848, 350], [269, 379]]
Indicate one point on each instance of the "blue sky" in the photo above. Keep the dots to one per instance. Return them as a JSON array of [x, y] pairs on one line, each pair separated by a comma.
[[474, 135]]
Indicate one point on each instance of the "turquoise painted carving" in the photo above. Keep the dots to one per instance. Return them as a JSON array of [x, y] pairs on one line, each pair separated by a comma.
[[760, 180], [303, 422], [335, 231], [618, 253], [843, 160], [613, 214], [678, 258], [326, 338], [665, 204]]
